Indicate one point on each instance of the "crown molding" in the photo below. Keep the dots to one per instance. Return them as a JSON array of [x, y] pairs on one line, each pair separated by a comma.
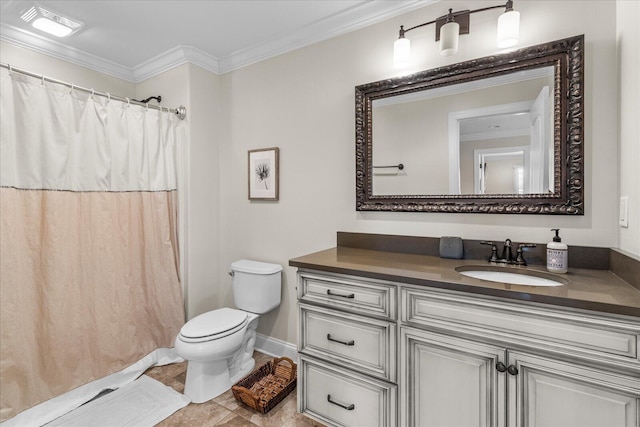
[[159, 64], [339, 24], [342, 23], [165, 61], [173, 58], [27, 40]]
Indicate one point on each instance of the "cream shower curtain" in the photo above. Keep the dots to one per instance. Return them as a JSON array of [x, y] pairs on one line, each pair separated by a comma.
[[89, 279]]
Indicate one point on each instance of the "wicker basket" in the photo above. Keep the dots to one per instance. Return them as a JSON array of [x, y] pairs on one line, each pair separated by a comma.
[[265, 387]]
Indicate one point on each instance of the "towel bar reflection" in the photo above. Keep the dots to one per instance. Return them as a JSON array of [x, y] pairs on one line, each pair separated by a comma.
[[398, 166]]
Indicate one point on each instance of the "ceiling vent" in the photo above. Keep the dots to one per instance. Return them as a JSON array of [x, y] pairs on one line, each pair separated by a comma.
[[50, 22]]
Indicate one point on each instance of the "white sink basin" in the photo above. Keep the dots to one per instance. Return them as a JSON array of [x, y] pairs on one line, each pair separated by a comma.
[[511, 276]]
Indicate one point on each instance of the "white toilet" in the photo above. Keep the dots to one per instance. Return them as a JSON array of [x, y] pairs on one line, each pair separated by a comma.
[[218, 345]]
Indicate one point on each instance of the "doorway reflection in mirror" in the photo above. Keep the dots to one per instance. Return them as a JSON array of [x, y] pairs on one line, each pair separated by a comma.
[[440, 133]]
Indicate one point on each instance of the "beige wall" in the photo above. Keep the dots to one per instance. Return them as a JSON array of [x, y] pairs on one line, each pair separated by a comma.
[[628, 36], [303, 102], [199, 91]]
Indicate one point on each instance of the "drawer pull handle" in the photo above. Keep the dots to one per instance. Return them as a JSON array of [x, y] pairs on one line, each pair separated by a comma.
[[350, 296], [347, 407], [512, 370], [349, 343], [500, 367]]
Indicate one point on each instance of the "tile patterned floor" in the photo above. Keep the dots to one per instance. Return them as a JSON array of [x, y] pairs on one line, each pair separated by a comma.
[[224, 410]]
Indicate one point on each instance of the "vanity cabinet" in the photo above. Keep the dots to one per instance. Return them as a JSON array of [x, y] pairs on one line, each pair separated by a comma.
[[453, 382], [454, 358], [471, 360], [348, 345]]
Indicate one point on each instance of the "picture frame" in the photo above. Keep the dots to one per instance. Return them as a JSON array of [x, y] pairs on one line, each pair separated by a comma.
[[263, 174]]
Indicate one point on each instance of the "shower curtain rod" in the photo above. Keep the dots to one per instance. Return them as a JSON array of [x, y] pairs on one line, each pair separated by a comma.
[[181, 111]]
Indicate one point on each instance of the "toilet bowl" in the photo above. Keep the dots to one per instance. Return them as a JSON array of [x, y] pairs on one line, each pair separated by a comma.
[[230, 335], [218, 345]]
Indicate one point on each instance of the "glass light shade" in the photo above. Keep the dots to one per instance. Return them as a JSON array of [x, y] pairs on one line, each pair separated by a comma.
[[508, 29], [51, 27], [449, 36], [401, 53]]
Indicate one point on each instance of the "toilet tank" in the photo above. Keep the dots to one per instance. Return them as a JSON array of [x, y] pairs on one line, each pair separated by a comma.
[[256, 285]]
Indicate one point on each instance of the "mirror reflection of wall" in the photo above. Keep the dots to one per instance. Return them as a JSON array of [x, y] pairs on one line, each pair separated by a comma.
[[404, 133], [500, 172], [416, 129], [501, 155]]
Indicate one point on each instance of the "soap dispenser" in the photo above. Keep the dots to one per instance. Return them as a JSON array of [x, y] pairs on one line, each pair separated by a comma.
[[557, 254]]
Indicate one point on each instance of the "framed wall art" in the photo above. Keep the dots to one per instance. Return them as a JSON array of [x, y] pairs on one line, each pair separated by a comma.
[[263, 174]]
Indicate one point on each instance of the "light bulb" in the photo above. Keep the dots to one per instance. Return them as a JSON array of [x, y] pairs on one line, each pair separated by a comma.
[[51, 27], [449, 36], [401, 53], [508, 29]]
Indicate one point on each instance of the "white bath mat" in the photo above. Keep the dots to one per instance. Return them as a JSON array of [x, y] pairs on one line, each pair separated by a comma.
[[144, 402]]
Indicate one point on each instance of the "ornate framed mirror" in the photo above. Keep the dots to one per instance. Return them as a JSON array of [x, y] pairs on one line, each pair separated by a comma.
[[499, 134]]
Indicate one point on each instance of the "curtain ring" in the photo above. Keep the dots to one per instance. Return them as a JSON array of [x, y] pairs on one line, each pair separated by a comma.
[[128, 102], [92, 93], [72, 87], [108, 97], [10, 69], [42, 80]]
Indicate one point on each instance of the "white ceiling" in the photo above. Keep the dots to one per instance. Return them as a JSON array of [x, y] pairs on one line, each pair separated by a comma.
[[136, 39]]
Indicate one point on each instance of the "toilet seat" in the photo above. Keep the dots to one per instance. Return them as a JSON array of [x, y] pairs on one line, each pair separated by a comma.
[[213, 325]]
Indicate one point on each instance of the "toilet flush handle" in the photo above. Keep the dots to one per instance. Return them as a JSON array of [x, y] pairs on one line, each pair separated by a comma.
[[231, 273]]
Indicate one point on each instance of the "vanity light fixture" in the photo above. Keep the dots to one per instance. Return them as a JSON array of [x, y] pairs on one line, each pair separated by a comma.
[[450, 26], [50, 22]]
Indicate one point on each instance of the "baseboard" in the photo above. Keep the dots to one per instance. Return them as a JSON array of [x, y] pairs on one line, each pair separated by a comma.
[[275, 347]]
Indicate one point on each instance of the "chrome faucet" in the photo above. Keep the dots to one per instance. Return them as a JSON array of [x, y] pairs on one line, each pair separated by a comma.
[[507, 253]]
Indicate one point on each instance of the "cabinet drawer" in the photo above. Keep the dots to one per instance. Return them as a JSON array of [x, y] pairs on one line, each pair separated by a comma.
[[364, 344], [533, 326], [342, 398], [351, 294]]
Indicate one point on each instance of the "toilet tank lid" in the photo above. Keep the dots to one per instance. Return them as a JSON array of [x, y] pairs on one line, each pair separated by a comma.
[[255, 267]]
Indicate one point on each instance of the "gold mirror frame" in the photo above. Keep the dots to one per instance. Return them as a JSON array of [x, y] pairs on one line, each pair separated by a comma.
[[567, 58]]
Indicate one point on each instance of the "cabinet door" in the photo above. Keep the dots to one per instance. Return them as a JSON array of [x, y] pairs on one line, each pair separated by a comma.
[[549, 393], [450, 382]]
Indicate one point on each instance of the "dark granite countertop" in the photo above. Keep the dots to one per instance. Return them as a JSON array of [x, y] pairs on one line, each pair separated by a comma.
[[595, 290]]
